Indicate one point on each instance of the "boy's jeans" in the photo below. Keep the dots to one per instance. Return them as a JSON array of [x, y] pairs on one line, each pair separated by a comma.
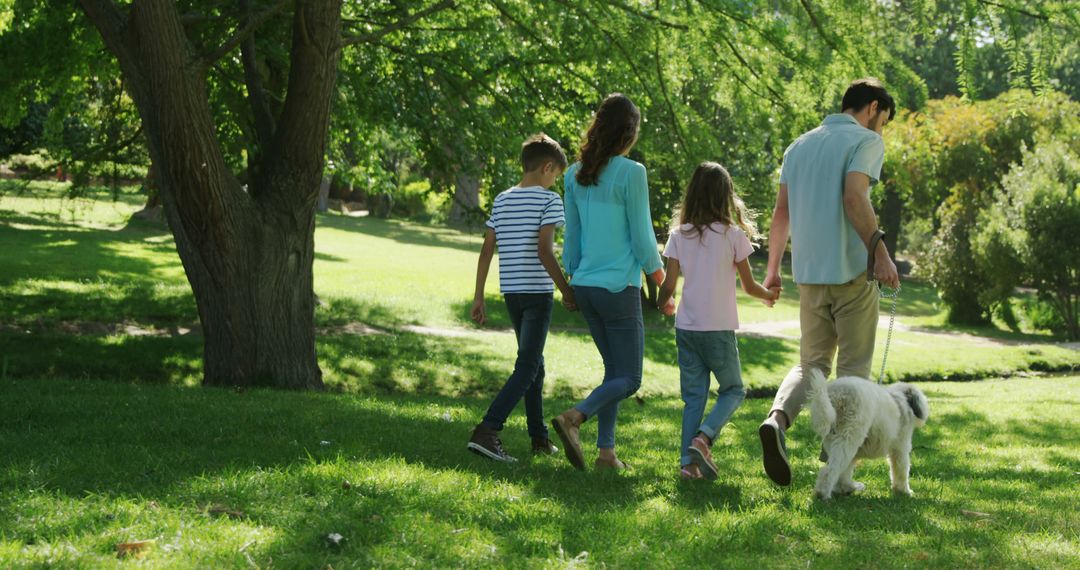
[[618, 330], [531, 314], [702, 352]]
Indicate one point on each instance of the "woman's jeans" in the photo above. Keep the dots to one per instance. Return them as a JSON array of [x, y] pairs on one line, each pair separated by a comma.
[[702, 352], [618, 330]]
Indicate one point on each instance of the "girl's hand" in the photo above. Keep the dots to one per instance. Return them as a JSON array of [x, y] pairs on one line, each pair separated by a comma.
[[774, 296], [669, 308]]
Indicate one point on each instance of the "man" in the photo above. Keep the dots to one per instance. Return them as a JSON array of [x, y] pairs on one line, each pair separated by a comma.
[[824, 203]]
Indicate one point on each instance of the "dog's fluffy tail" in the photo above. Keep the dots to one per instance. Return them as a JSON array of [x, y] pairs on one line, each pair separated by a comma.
[[822, 413]]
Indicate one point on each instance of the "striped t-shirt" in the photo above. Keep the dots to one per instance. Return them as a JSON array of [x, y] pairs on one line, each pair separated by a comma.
[[516, 217]]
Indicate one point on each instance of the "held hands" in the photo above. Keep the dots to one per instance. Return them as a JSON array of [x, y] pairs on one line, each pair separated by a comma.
[[774, 285], [479, 312], [668, 308], [774, 296], [568, 301]]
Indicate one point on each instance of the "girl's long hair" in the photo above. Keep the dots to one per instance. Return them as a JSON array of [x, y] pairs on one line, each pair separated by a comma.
[[613, 131], [711, 198]]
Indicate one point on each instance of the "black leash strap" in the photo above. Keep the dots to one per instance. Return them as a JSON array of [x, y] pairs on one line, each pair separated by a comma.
[[874, 239]]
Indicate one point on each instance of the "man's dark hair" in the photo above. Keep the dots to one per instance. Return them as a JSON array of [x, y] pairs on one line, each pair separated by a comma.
[[862, 92], [538, 149]]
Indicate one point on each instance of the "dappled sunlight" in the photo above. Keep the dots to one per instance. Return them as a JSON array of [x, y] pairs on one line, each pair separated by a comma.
[[390, 475]]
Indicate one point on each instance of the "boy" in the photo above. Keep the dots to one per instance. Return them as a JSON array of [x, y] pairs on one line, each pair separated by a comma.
[[523, 221]]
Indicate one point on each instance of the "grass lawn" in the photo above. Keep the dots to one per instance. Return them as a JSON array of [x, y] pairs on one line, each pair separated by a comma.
[[71, 265], [218, 478]]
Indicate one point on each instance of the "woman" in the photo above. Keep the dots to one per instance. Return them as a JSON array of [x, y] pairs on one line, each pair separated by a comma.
[[609, 240]]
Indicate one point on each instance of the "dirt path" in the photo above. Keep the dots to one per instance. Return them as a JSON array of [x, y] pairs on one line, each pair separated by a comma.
[[787, 330]]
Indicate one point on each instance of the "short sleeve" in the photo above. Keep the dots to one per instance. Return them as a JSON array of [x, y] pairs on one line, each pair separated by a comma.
[[553, 212], [671, 250], [493, 219], [740, 244], [784, 170], [868, 158]]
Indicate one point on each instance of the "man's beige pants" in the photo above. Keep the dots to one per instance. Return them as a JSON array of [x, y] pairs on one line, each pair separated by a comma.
[[831, 317]]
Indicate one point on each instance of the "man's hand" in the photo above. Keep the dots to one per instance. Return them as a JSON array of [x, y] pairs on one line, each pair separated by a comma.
[[885, 270], [774, 295], [478, 312], [773, 281], [668, 308]]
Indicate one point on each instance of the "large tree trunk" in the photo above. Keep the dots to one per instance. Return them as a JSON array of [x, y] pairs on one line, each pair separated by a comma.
[[248, 255], [465, 209]]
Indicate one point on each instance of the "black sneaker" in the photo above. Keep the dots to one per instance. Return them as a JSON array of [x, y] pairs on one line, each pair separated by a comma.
[[485, 442], [774, 452], [543, 446]]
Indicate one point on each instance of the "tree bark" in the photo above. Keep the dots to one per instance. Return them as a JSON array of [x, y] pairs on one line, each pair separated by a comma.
[[248, 255]]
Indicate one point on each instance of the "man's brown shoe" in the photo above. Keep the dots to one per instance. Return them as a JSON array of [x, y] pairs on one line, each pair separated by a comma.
[[543, 446], [485, 442], [567, 431]]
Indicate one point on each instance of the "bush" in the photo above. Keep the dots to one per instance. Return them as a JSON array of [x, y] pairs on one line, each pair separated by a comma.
[[1029, 234], [36, 165], [950, 263]]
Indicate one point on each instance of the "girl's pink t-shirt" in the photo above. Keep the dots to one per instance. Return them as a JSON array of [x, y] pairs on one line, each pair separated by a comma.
[[708, 267]]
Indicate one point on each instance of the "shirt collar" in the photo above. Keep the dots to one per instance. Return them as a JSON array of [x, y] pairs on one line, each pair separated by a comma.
[[840, 118]]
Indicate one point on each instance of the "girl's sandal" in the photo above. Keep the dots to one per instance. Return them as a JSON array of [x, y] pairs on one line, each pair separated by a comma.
[[690, 474]]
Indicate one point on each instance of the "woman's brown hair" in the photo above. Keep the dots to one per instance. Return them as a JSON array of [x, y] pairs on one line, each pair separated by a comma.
[[613, 131], [711, 198]]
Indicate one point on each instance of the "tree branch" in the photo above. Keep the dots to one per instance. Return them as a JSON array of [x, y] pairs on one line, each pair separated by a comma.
[[264, 119], [246, 30], [1016, 9], [817, 26], [398, 25], [647, 16], [106, 16]]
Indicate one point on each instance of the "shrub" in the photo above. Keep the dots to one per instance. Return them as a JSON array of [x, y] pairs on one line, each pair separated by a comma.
[[1029, 233], [950, 264]]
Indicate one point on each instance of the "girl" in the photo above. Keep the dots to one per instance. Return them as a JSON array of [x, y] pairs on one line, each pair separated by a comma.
[[609, 240], [710, 243]]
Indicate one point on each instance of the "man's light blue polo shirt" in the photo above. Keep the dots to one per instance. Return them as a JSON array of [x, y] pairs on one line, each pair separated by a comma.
[[825, 248]]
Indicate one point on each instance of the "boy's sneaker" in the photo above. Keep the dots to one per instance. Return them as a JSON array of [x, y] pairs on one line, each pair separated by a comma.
[[485, 442], [774, 452], [543, 446], [701, 455]]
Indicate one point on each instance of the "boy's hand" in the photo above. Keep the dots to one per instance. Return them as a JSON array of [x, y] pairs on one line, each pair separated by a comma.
[[669, 308], [478, 312], [569, 302]]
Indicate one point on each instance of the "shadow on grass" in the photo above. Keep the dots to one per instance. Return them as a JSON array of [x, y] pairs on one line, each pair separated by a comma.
[[281, 459], [403, 232]]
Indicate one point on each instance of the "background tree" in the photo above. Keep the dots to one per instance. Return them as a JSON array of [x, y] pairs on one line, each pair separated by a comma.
[[1028, 235]]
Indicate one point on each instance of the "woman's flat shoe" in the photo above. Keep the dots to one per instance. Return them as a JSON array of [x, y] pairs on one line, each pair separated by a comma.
[[617, 465]]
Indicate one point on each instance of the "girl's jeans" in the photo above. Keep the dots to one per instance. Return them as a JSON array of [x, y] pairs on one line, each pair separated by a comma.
[[702, 352]]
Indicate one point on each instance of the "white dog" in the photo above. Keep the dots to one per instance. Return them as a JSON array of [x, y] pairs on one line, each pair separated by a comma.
[[856, 418]]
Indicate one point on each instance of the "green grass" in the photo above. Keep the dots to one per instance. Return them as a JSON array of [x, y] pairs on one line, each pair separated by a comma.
[[225, 479], [219, 478], [70, 261]]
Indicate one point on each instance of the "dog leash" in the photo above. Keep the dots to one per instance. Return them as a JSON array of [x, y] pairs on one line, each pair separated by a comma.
[[895, 296]]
